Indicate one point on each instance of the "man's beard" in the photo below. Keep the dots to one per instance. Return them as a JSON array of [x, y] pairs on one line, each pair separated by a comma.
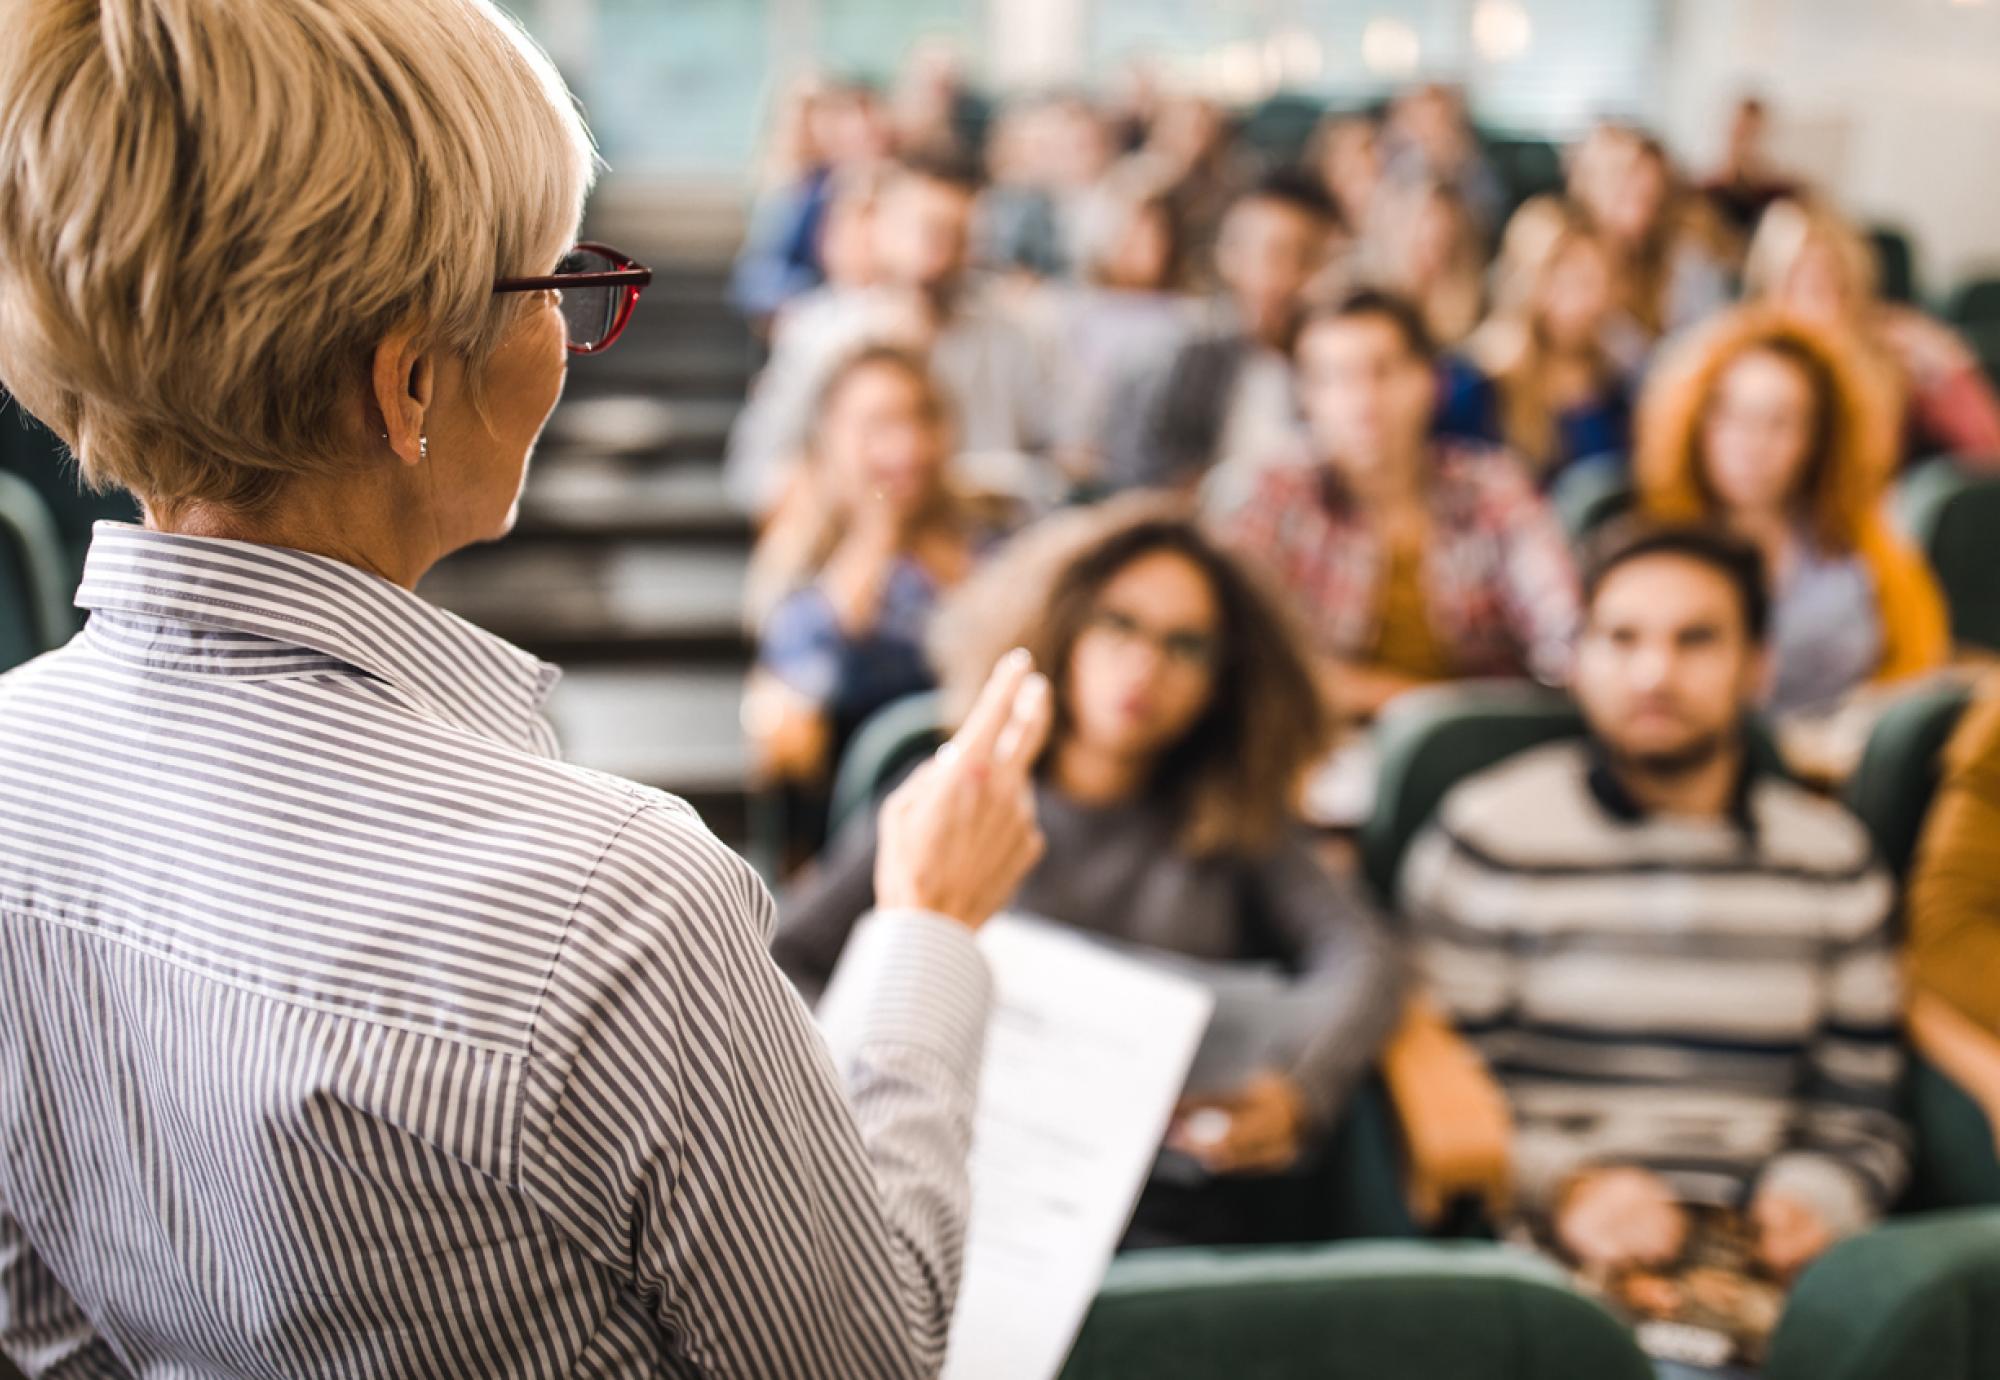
[[1677, 763]]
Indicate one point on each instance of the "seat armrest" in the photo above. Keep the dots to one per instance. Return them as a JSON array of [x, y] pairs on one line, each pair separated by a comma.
[[1457, 1131], [1959, 1048]]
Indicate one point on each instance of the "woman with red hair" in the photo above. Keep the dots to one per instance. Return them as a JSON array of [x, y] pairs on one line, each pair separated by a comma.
[[1767, 424]]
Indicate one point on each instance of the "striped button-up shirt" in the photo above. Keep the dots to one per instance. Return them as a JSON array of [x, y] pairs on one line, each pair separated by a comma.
[[346, 1031]]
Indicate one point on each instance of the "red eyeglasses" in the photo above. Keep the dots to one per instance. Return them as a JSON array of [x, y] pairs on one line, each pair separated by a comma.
[[599, 287]]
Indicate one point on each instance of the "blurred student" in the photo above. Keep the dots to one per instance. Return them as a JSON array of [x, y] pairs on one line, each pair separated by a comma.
[[985, 359], [1412, 558], [1018, 224], [1727, 1036], [846, 254], [1808, 259], [1428, 137], [1192, 157], [1185, 715], [1120, 309], [1768, 425], [933, 112], [820, 129], [1746, 182], [1538, 374], [1671, 272], [847, 576], [1424, 245], [1226, 392], [1347, 157]]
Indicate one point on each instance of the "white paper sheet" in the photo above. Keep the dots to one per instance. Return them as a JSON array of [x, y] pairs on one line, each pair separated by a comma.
[[1085, 1058]]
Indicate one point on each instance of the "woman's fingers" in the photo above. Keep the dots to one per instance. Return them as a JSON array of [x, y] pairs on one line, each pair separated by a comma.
[[976, 742], [1033, 711]]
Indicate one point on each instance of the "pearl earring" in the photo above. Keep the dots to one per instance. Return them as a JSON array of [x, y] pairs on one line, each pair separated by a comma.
[[423, 448]]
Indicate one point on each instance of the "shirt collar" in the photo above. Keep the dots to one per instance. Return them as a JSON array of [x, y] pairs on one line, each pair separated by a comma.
[[459, 673], [1609, 791]]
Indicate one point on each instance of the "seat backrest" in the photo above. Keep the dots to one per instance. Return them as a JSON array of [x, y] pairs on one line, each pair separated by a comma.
[[1976, 299], [31, 452], [1353, 1311], [1984, 337], [1952, 516], [34, 586], [1900, 769], [1527, 167], [1895, 261], [1431, 740], [881, 752], [1591, 493]]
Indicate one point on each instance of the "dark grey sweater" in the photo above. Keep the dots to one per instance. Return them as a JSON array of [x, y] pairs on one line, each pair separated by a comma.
[[1120, 872]]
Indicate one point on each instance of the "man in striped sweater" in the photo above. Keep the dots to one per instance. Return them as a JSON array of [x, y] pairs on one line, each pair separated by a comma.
[[1678, 964]]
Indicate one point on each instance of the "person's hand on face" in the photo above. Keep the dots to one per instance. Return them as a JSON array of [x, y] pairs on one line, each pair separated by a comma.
[[1621, 1216], [1260, 1129], [1790, 1235], [960, 834]]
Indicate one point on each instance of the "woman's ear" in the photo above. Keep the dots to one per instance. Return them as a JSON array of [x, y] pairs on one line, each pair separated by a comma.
[[402, 379]]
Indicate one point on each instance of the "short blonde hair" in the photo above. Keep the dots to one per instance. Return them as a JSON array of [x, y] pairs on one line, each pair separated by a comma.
[[211, 213]]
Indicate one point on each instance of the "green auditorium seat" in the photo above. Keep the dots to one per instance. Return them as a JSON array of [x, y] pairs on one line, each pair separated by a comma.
[[1891, 791], [34, 588], [882, 752], [1984, 337], [1355, 1311], [1279, 129], [1913, 1300], [1900, 768], [31, 452], [1895, 262], [1590, 494], [1953, 516], [1975, 300], [1526, 167]]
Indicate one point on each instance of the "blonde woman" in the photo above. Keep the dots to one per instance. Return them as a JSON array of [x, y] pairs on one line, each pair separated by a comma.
[[1540, 377], [344, 1028], [1423, 244], [1810, 260], [1665, 240], [846, 578]]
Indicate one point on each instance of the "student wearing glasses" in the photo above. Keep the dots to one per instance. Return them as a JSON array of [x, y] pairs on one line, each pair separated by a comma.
[[343, 1027], [1185, 713]]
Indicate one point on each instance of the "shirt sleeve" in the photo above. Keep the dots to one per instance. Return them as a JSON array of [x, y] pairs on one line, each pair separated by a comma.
[[782, 1207], [1960, 413], [1346, 963], [42, 1329], [802, 645]]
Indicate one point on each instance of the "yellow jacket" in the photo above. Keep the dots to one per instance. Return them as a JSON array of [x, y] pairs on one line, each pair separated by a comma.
[[1954, 895], [1916, 628]]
